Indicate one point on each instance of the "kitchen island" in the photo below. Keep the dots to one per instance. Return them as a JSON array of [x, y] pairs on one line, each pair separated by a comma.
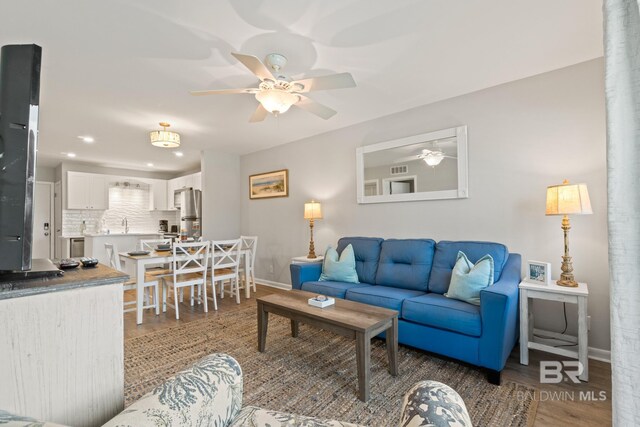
[[62, 346], [124, 242]]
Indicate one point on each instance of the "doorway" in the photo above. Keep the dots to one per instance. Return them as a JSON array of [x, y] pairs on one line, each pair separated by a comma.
[[43, 221]]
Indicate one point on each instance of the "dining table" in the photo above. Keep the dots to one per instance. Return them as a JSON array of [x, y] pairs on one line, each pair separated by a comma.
[[141, 262]]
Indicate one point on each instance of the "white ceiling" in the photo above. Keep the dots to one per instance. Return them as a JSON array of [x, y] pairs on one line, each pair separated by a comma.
[[114, 69]]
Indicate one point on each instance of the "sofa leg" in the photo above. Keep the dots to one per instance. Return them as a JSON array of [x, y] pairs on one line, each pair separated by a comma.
[[494, 376]]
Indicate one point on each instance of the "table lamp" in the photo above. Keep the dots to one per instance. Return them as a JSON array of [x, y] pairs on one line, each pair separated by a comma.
[[312, 211], [567, 199]]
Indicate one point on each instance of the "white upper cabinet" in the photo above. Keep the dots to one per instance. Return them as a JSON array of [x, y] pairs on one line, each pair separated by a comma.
[[87, 191], [157, 194], [187, 181]]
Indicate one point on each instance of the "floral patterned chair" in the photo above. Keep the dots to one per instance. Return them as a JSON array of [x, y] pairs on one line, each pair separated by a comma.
[[209, 393]]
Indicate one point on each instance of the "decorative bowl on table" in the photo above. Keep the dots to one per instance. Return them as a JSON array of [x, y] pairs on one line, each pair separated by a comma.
[[138, 253], [163, 248]]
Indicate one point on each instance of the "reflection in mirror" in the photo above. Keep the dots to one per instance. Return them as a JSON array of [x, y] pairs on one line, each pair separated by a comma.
[[422, 167]]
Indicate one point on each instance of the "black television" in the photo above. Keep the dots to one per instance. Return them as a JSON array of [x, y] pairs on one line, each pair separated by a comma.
[[19, 103]]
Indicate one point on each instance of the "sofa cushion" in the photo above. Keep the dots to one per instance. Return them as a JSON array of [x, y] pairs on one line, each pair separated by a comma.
[[331, 289], [405, 263], [447, 253], [339, 268], [382, 296], [367, 252], [441, 312]]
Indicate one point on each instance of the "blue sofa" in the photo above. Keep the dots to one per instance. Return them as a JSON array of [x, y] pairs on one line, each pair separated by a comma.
[[411, 276]]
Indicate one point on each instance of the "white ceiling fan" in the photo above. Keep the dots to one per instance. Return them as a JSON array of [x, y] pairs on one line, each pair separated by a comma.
[[431, 157], [277, 92]]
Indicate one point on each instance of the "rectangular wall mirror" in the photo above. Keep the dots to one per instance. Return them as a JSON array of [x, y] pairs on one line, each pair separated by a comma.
[[429, 166]]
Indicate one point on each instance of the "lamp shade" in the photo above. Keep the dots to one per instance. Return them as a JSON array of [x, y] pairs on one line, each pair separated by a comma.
[[312, 210], [164, 138], [568, 199]]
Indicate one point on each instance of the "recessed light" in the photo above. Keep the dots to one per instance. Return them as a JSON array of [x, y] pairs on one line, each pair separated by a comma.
[[87, 139], [178, 153], [150, 165], [71, 154]]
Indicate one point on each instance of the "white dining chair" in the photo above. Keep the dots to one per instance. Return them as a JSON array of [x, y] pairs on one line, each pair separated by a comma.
[[249, 245], [189, 264], [225, 267], [156, 270], [150, 282]]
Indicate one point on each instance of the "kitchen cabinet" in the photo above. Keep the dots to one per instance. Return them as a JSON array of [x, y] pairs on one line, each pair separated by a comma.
[[87, 191], [194, 181], [157, 194]]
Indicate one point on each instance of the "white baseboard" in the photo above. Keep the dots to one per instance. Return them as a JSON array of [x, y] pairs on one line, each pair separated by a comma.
[[600, 354], [273, 284]]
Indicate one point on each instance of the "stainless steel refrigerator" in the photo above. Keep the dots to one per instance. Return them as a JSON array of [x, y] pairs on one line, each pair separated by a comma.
[[190, 211]]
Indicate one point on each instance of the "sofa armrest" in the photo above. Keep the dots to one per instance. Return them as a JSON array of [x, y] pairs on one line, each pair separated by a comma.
[[209, 390], [301, 273], [499, 313], [430, 403]]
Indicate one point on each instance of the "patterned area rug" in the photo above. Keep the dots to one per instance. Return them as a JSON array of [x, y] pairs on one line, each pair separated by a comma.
[[315, 374]]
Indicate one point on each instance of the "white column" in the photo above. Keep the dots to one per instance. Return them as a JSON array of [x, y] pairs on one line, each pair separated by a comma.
[[622, 52]]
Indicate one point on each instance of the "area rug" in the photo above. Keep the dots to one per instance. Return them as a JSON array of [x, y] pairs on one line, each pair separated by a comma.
[[315, 374]]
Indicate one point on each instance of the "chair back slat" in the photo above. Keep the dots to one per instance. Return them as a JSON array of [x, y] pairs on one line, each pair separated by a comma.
[[151, 244], [112, 254], [190, 258], [250, 243], [226, 254]]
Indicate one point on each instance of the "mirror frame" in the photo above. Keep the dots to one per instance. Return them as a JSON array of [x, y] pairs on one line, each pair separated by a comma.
[[462, 192]]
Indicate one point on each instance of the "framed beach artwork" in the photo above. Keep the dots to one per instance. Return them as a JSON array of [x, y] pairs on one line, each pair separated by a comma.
[[269, 184], [539, 272]]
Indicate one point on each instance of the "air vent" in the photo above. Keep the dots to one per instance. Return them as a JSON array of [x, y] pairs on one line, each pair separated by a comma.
[[399, 170]]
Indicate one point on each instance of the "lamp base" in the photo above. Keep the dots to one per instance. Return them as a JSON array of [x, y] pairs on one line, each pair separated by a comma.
[[568, 283], [312, 255]]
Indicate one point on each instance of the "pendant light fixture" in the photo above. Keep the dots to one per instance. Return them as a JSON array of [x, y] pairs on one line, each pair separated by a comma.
[[164, 138]]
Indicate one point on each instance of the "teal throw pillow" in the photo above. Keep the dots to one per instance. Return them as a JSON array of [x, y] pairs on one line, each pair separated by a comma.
[[339, 268], [467, 279]]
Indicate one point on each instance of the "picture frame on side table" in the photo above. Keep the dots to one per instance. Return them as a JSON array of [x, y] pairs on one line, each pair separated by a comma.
[[539, 272], [269, 184]]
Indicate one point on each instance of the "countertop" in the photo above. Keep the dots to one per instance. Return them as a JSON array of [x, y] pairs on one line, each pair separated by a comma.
[[79, 236], [79, 277]]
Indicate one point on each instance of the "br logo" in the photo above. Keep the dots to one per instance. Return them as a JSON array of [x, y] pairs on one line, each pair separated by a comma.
[[553, 372]]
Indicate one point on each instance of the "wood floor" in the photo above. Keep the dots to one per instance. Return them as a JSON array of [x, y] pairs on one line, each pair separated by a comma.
[[564, 404]]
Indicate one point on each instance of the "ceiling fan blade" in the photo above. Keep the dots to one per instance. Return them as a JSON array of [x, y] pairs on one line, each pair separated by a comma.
[[311, 106], [407, 159], [259, 115], [222, 91], [255, 66], [332, 81]]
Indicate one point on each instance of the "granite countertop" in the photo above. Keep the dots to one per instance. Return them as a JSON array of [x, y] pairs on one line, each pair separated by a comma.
[[79, 277]]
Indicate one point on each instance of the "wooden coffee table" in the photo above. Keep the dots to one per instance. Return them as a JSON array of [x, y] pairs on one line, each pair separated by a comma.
[[348, 318]]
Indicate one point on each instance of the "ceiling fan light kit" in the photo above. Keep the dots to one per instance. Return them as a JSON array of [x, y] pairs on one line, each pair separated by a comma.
[[276, 93], [433, 158], [164, 138], [276, 101]]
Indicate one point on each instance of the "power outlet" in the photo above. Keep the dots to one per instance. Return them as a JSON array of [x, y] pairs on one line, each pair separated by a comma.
[[588, 323], [271, 268]]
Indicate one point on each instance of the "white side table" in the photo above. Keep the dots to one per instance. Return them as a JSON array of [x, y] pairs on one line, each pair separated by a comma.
[[304, 260], [553, 292]]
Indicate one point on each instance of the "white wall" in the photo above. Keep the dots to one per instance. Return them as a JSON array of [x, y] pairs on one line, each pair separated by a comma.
[[523, 136], [220, 195], [45, 174]]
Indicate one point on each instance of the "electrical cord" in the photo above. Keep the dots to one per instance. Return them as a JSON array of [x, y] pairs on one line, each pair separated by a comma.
[[566, 326]]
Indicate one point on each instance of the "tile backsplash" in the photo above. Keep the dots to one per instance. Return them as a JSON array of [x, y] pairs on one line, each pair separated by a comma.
[[132, 203]]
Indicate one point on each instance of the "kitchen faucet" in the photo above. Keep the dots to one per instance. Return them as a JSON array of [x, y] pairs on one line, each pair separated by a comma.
[[125, 222]]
